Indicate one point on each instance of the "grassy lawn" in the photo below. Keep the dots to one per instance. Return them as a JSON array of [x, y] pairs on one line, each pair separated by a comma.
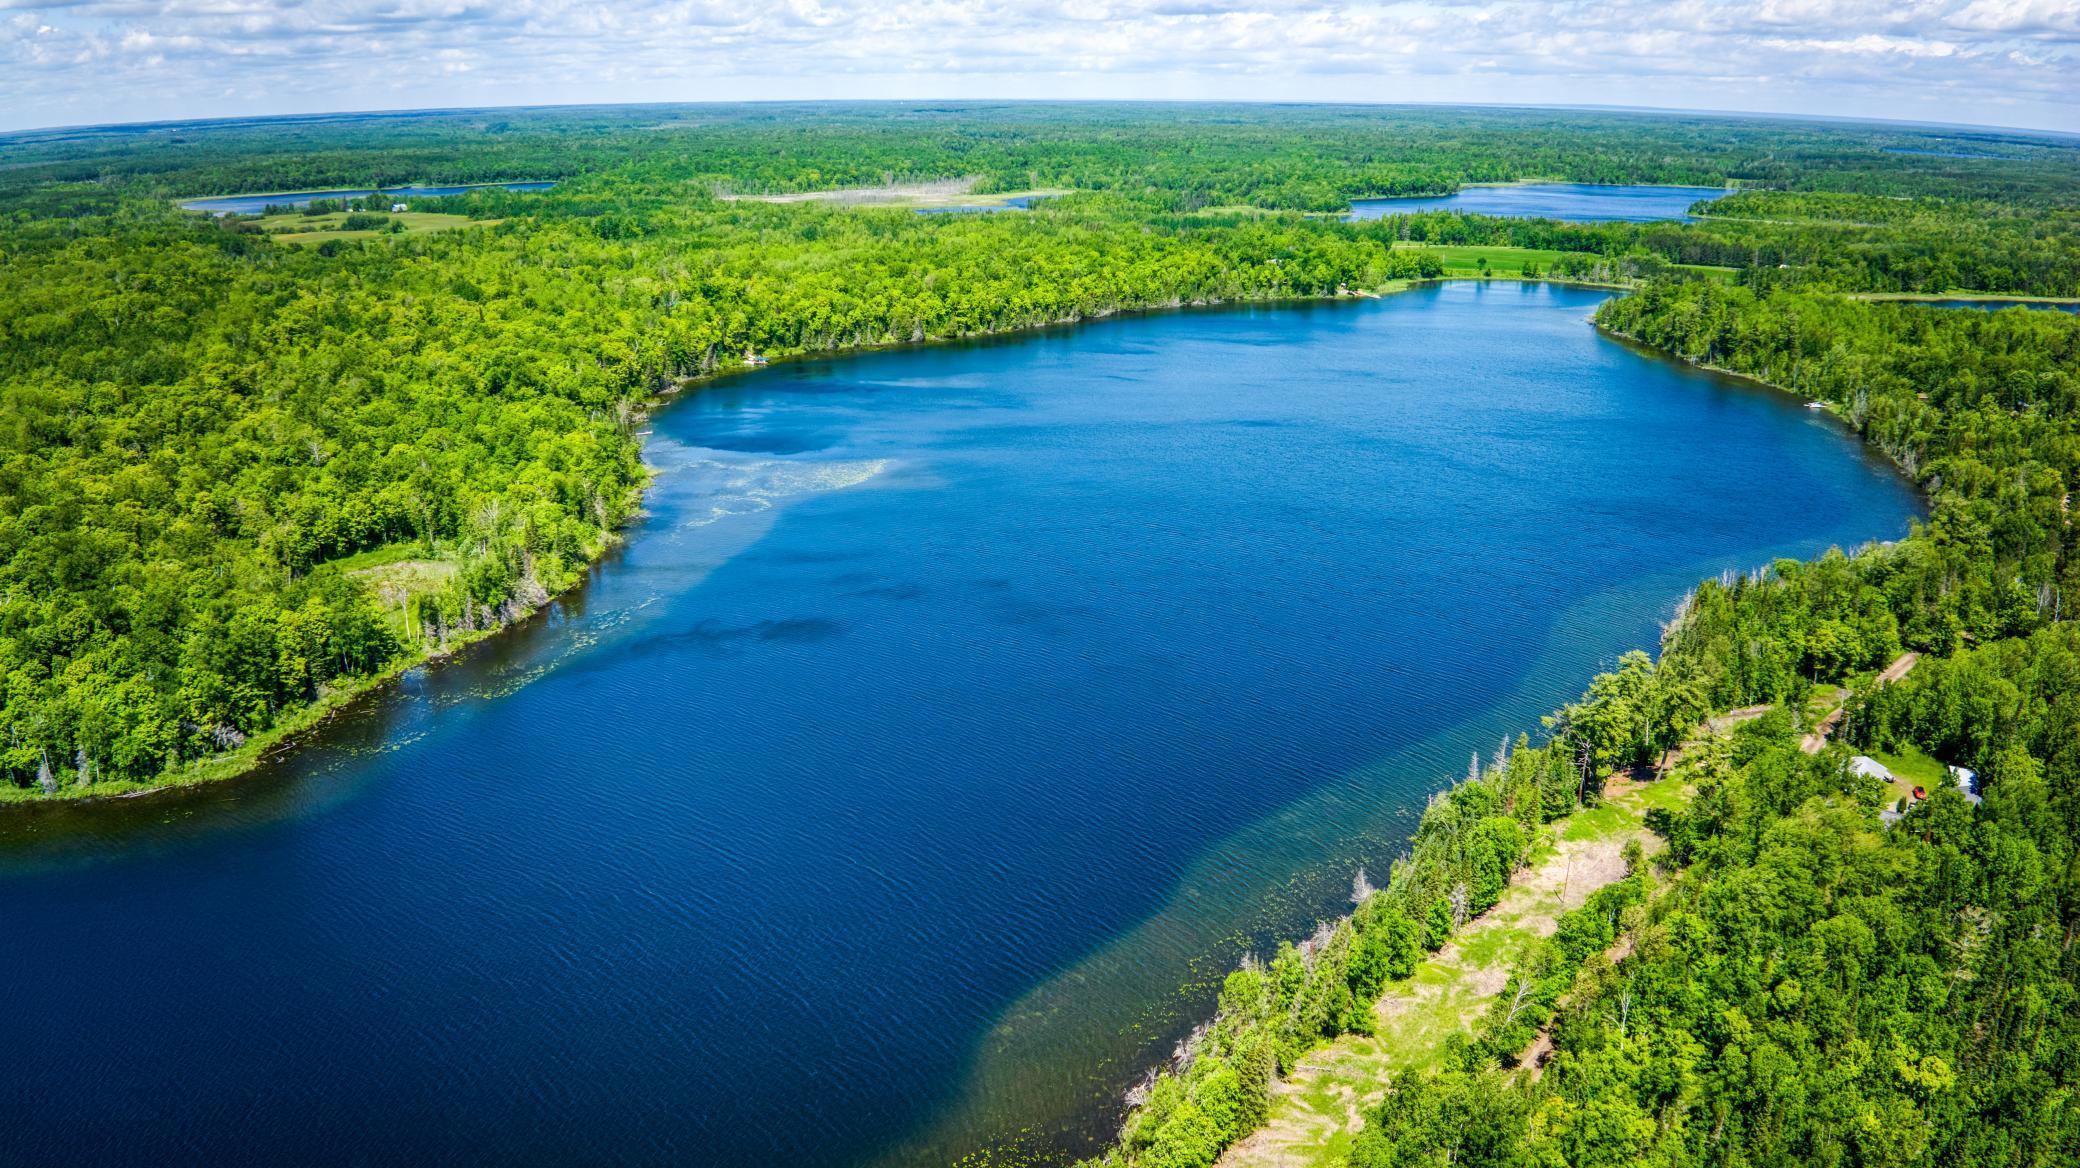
[[1712, 272], [1911, 768]]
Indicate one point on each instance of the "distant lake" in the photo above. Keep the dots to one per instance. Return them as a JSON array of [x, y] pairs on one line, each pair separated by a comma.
[[1578, 202], [1996, 305], [1016, 203], [255, 204], [947, 711]]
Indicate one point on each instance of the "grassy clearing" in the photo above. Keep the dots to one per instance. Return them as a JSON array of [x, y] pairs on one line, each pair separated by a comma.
[[910, 196], [296, 227], [1911, 768], [1495, 261], [1712, 272], [1318, 1109], [397, 575], [1466, 259], [1965, 294]]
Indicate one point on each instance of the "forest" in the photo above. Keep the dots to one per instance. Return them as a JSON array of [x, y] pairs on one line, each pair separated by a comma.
[[242, 479]]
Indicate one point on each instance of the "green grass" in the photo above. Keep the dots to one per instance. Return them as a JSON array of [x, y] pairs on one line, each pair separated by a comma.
[[1965, 294], [1465, 259], [1712, 272], [1595, 823], [297, 227], [1914, 768], [1662, 795], [1461, 260]]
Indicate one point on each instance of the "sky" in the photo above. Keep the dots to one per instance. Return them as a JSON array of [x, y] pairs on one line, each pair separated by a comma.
[[1990, 62]]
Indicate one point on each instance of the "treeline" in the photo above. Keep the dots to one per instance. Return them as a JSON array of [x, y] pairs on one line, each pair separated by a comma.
[[1836, 242], [1172, 157], [1980, 407]]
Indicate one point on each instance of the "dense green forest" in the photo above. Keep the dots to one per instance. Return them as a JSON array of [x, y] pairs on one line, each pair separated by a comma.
[[244, 474]]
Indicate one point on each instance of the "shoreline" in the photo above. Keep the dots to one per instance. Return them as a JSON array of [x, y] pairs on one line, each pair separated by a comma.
[[1729, 188], [181, 202], [268, 745]]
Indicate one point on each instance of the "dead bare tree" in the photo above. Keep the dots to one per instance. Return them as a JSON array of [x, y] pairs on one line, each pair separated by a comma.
[[1518, 1001]]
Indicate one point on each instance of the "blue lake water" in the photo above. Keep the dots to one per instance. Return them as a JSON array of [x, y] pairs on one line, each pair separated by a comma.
[[950, 709], [255, 204], [1997, 305], [1015, 203], [1578, 202]]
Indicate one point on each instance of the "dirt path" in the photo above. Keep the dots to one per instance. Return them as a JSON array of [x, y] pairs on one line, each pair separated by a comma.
[[1824, 729], [1317, 1109]]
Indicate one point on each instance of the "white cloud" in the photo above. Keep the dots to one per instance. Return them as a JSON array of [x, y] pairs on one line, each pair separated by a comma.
[[98, 60], [1867, 45]]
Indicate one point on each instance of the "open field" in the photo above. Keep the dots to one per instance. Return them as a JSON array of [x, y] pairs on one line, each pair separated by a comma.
[[1509, 262], [296, 227], [1964, 294], [952, 192]]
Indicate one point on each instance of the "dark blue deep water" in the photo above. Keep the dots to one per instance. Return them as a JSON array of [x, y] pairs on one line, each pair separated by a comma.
[[1577, 202], [951, 709]]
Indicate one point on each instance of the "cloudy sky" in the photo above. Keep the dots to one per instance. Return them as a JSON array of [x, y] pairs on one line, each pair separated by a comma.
[[1996, 62]]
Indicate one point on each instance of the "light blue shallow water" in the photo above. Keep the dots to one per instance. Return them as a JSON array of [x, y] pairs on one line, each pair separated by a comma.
[[1578, 202], [950, 709]]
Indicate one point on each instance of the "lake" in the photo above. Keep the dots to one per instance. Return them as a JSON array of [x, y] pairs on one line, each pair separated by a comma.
[[1995, 305], [949, 711], [255, 204], [1577, 202], [1014, 203]]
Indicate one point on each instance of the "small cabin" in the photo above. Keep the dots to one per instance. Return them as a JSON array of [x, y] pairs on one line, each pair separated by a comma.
[[399, 208], [1870, 768], [1967, 784]]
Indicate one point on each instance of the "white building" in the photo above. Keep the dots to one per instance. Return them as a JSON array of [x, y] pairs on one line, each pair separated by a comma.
[[1869, 767]]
